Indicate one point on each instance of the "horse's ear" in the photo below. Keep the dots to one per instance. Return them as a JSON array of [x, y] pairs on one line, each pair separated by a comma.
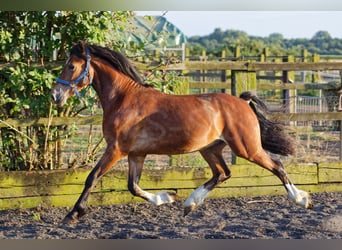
[[82, 45]]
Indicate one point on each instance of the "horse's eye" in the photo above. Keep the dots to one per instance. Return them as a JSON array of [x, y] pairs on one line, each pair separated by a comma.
[[71, 67]]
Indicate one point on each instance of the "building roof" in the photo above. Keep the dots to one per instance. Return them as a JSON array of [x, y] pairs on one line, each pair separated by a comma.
[[156, 31]]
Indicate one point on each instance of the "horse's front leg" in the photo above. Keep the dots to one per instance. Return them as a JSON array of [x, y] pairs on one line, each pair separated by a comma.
[[136, 163], [109, 158]]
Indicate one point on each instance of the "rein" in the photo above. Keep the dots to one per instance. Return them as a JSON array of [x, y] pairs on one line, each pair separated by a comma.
[[84, 76]]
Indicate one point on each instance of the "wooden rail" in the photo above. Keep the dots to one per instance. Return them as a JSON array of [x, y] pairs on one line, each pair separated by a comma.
[[97, 120], [261, 86], [247, 66], [61, 188]]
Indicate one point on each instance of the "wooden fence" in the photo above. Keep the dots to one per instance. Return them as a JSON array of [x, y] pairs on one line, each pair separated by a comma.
[[62, 187], [242, 77]]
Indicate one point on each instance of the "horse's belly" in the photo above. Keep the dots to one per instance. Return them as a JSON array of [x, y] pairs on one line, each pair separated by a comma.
[[173, 143], [177, 131]]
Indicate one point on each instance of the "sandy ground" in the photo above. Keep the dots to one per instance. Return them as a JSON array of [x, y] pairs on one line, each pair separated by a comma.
[[228, 218]]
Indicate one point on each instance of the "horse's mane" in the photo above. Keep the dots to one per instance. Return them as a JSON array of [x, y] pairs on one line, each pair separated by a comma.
[[114, 58]]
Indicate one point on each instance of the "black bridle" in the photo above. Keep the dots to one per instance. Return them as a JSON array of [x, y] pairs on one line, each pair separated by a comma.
[[84, 76]]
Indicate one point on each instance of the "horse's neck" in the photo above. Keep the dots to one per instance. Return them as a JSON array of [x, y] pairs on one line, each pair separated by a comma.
[[112, 87]]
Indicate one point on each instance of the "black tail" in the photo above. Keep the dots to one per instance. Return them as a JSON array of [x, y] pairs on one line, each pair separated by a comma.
[[273, 136]]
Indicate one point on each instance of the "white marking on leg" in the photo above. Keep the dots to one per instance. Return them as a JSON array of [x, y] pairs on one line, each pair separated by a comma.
[[300, 197], [197, 197], [291, 193], [159, 198]]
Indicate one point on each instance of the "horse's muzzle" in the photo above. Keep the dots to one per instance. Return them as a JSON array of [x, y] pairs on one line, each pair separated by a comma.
[[58, 96]]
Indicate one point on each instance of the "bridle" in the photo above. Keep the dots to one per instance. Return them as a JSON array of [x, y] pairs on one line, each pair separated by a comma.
[[85, 75]]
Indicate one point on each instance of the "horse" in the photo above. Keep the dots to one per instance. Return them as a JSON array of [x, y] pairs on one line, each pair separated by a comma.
[[139, 120]]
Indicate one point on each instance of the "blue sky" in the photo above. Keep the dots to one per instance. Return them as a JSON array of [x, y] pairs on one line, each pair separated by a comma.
[[291, 24]]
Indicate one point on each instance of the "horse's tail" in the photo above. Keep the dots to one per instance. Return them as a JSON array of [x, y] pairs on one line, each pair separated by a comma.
[[273, 135]]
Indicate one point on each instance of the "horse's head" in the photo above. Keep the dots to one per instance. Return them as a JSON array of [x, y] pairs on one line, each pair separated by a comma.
[[76, 75]]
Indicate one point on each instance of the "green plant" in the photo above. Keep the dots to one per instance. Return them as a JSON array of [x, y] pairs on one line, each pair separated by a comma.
[[164, 80], [29, 40], [36, 216]]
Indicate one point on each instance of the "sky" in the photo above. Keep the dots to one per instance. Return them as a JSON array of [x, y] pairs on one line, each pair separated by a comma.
[[291, 24]]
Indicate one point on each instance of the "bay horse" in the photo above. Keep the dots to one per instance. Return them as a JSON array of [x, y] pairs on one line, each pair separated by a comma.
[[139, 120]]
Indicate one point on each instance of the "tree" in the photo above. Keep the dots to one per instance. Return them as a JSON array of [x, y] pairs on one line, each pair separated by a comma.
[[36, 34], [29, 40], [321, 35], [321, 43], [275, 38]]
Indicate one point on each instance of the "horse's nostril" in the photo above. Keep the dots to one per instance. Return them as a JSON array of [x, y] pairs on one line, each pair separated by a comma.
[[55, 96]]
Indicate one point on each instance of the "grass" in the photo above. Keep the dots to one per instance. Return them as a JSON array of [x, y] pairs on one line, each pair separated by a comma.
[[36, 216]]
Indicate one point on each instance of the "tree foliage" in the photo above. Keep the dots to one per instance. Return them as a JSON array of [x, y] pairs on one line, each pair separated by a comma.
[[321, 43], [28, 40], [30, 44]]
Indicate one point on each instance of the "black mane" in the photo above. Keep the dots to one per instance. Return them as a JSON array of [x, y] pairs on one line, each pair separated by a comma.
[[114, 58]]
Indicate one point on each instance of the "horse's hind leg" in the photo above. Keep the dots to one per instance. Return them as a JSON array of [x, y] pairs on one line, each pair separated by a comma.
[[300, 197], [135, 163], [213, 155]]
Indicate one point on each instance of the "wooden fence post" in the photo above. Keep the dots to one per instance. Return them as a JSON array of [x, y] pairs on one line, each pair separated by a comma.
[[187, 54], [203, 77], [289, 95], [237, 53], [266, 53], [304, 59], [242, 81], [223, 72], [315, 75]]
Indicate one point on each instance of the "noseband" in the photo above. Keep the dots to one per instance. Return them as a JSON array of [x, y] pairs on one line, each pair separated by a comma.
[[84, 76]]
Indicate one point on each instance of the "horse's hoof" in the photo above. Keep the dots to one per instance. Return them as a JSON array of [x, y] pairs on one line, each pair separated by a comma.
[[304, 200], [309, 204], [163, 197], [69, 221], [174, 196], [188, 209]]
